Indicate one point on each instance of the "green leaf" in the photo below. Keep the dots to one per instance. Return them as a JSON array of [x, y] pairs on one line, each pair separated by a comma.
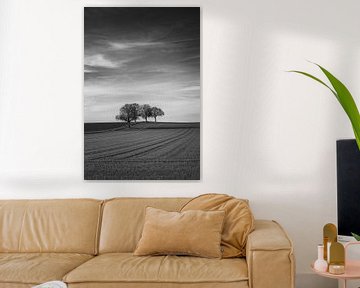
[[357, 137], [356, 236], [346, 101], [344, 97], [314, 78]]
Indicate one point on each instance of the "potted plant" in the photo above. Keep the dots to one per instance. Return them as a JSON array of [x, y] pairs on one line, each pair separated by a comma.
[[343, 95], [357, 237]]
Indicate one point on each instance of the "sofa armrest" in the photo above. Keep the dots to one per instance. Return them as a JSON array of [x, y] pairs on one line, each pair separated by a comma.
[[269, 256]]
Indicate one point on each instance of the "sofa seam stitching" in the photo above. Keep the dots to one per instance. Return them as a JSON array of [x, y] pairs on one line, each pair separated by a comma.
[[98, 229]]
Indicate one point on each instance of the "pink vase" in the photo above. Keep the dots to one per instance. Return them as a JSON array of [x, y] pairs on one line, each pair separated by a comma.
[[320, 264]]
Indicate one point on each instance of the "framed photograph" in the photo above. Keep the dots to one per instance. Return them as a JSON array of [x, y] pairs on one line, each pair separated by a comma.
[[142, 104]]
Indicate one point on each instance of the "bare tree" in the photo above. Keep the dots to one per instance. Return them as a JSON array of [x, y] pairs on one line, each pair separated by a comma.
[[156, 112], [145, 111]]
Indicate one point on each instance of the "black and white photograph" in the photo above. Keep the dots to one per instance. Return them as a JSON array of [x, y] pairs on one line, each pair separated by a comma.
[[142, 105]]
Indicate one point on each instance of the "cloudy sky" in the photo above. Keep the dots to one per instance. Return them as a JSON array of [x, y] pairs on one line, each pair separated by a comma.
[[142, 55]]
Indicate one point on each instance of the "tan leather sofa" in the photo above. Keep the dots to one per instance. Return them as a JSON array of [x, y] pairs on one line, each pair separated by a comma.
[[89, 243]]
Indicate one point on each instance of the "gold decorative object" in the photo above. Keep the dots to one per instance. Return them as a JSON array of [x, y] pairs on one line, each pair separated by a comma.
[[337, 253], [330, 236], [336, 269], [341, 267], [337, 258]]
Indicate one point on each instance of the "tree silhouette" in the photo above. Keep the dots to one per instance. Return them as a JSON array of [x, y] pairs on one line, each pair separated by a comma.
[[135, 111], [131, 112], [156, 112], [145, 111], [125, 114]]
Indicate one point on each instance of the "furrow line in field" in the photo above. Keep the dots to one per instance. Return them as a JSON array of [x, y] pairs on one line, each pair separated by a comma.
[[154, 147], [110, 134], [182, 147], [144, 161], [123, 136], [185, 150], [105, 130], [124, 143], [133, 149], [129, 142]]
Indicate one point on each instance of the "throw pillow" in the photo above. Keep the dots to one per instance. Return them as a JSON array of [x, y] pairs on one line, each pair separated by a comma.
[[196, 233]]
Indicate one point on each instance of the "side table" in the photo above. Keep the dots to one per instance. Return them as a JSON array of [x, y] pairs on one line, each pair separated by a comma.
[[352, 268]]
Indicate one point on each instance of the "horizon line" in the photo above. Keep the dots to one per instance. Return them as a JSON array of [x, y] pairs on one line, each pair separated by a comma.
[[144, 122]]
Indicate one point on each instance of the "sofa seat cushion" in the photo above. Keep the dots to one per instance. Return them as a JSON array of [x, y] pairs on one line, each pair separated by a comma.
[[36, 268], [125, 267]]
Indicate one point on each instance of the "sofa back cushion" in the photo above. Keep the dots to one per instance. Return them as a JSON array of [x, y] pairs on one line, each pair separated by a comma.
[[123, 220], [238, 224], [66, 226]]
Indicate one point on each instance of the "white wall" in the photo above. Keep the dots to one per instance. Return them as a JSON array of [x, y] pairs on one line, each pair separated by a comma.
[[275, 143]]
